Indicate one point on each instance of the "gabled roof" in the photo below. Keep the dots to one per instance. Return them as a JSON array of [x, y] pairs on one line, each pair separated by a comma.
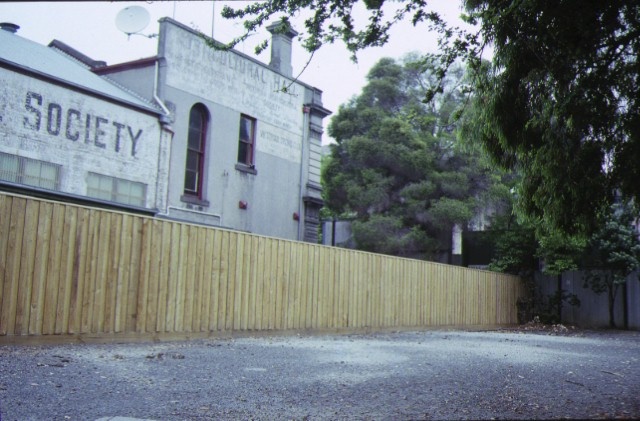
[[75, 54], [50, 63]]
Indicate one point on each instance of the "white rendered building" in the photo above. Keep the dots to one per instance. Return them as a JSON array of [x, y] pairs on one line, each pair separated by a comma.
[[247, 145], [66, 132]]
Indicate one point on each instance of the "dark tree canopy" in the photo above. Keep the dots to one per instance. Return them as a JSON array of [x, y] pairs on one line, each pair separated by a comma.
[[559, 101], [397, 167]]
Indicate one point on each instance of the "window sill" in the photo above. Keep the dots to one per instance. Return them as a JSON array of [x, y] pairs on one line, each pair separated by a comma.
[[194, 200], [246, 168]]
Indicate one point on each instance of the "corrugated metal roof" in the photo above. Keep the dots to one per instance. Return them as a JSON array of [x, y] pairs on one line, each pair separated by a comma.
[[46, 61]]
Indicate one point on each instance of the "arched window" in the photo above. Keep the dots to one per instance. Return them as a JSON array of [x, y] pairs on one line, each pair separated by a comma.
[[194, 169]]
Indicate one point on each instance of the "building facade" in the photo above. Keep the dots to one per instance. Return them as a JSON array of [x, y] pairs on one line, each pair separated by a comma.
[[195, 133], [247, 145], [65, 131]]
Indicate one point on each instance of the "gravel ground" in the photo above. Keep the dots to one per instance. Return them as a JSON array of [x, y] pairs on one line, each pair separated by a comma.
[[391, 376]]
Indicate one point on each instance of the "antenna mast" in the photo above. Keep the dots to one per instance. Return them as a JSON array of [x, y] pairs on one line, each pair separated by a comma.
[[213, 17]]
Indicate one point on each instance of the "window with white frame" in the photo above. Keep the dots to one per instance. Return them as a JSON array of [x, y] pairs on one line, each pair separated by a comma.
[[32, 172], [115, 189]]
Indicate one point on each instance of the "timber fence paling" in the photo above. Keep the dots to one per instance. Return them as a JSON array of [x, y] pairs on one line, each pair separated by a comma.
[[72, 270]]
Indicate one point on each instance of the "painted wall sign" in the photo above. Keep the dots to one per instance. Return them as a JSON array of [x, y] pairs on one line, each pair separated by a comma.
[[241, 84], [279, 143], [42, 115], [233, 81], [81, 133]]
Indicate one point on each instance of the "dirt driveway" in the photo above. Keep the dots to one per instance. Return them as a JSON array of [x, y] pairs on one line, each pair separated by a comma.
[[391, 376]]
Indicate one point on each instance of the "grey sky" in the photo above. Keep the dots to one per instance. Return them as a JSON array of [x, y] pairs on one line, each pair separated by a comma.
[[90, 28]]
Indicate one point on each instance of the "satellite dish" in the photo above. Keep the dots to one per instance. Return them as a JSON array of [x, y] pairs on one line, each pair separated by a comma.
[[132, 19]]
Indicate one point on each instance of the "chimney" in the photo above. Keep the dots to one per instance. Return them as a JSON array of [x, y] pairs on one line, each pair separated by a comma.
[[281, 37], [9, 27]]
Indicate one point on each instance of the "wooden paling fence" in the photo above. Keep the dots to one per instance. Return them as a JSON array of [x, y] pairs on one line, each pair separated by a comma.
[[69, 270]]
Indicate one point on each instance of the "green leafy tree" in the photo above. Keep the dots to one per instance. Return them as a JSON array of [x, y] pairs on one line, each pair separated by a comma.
[[515, 249], [525, 246], [559, 101], [514, 245], [614, 253], [559, 253], [398, 167]]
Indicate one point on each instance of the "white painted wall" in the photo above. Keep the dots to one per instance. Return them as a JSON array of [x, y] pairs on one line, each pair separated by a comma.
[[230, 84], [50, 122]]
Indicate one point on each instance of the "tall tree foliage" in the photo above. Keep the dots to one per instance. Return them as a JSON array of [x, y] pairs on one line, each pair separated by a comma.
[[560, 103], [397, 166]]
